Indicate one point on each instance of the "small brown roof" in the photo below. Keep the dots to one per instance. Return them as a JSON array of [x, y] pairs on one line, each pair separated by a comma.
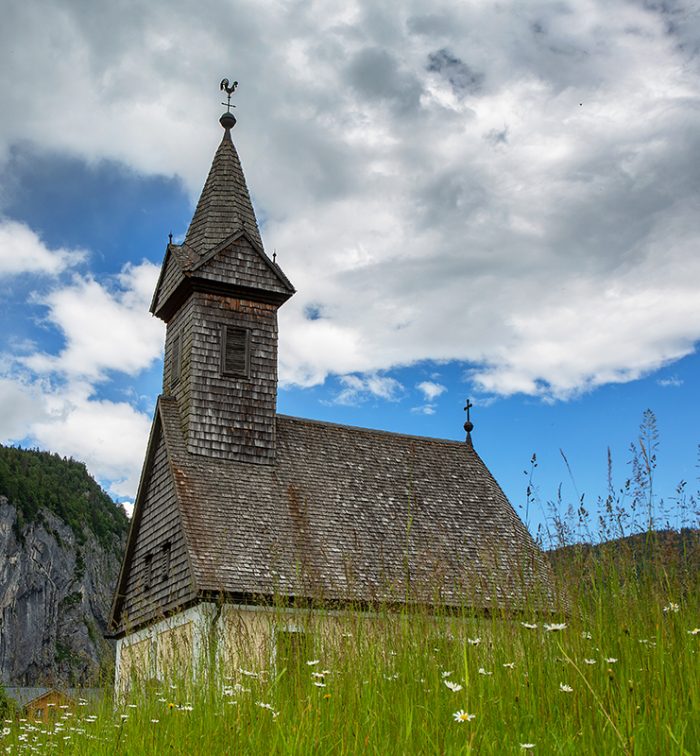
[[351, 514]]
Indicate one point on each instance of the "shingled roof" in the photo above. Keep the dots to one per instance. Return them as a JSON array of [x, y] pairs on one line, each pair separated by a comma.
[[350, 515]]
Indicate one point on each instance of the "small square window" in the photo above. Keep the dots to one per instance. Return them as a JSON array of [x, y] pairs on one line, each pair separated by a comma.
[[235, 357]]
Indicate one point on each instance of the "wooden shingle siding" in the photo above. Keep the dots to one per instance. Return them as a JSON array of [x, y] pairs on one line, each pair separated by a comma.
[[171, 277], [230, 416], [158, 524], [182, 325], [240, 265]]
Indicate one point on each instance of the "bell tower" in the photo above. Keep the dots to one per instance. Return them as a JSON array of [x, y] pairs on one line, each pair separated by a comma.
[[218, 292]]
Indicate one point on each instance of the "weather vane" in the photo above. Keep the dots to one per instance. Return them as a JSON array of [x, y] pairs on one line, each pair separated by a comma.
[[225, 86]]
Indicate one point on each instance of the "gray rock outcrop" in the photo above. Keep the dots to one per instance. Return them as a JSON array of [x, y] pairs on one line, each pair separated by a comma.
[[55, 594]]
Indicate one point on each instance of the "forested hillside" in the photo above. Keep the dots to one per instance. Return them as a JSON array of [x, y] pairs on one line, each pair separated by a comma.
[[34, 480]]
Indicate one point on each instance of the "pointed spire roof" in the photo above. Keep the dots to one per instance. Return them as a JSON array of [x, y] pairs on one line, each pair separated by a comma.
[[224, 207]]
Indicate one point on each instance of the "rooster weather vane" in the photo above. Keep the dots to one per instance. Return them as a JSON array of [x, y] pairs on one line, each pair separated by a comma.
[[225, 86]]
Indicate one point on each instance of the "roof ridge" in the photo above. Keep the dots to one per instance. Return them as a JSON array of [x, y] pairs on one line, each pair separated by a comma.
[[378, 431]]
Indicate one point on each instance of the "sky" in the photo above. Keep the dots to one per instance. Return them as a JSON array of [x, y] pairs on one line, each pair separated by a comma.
[[494, 200]]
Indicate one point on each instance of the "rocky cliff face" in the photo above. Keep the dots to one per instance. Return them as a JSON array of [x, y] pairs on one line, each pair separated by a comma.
[[55, 595]]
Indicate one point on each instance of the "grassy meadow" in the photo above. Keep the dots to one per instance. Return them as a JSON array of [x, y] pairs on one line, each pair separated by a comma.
[[618, 673]]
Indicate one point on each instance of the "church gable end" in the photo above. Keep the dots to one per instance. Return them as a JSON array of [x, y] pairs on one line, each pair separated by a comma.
[[156, 576]]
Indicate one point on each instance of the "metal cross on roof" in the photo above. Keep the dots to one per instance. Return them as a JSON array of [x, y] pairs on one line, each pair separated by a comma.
[[469, 425], [229, 89]]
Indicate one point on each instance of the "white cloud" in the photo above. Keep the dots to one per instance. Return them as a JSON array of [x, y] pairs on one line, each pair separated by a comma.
[[514, 186], [110, 437], [424, 409], [674, 381], [22, 251], [358, 389], [105, 328], [51, 400], [431, 390]]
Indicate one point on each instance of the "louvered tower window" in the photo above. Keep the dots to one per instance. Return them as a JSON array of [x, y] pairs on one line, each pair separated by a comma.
[[235, 358]]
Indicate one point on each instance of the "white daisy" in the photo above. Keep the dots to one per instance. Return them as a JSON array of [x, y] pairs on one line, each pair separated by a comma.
[[482, 671], [672, 607], [313, 662], [462, 716], [555, 627], [473, 641], [611, 660], [589, 661], [453, 686], [527, 746], [565, 688], [529, 625], [509, 665]]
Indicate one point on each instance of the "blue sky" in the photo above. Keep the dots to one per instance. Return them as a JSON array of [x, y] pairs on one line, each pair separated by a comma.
[[496, 202]]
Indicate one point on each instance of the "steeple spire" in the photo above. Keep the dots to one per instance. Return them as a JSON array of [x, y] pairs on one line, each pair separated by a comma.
[[224, 207]]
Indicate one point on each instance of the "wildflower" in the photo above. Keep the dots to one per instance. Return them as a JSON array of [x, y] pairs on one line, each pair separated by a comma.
[[247, 673], [527, 746], [131, 706], [123, 716], [586, 635], [313, 662], [589, 661], [162, 700], [267, 706], [319, 684], [671, 607], [694, 631], [473, 641], [171, 705], [565, 688], [155, 721], [319, 675], [555, 627], [446, 673], [6, 731], [453, 686], [462, 716], [326, 696], [529, 625], [611, 660], [509, 665]]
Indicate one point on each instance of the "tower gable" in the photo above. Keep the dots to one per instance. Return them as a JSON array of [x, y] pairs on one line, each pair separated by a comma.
[[239, 262]]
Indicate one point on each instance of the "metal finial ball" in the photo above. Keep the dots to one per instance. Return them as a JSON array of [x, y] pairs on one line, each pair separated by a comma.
[[469, 426], [228, 120]]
